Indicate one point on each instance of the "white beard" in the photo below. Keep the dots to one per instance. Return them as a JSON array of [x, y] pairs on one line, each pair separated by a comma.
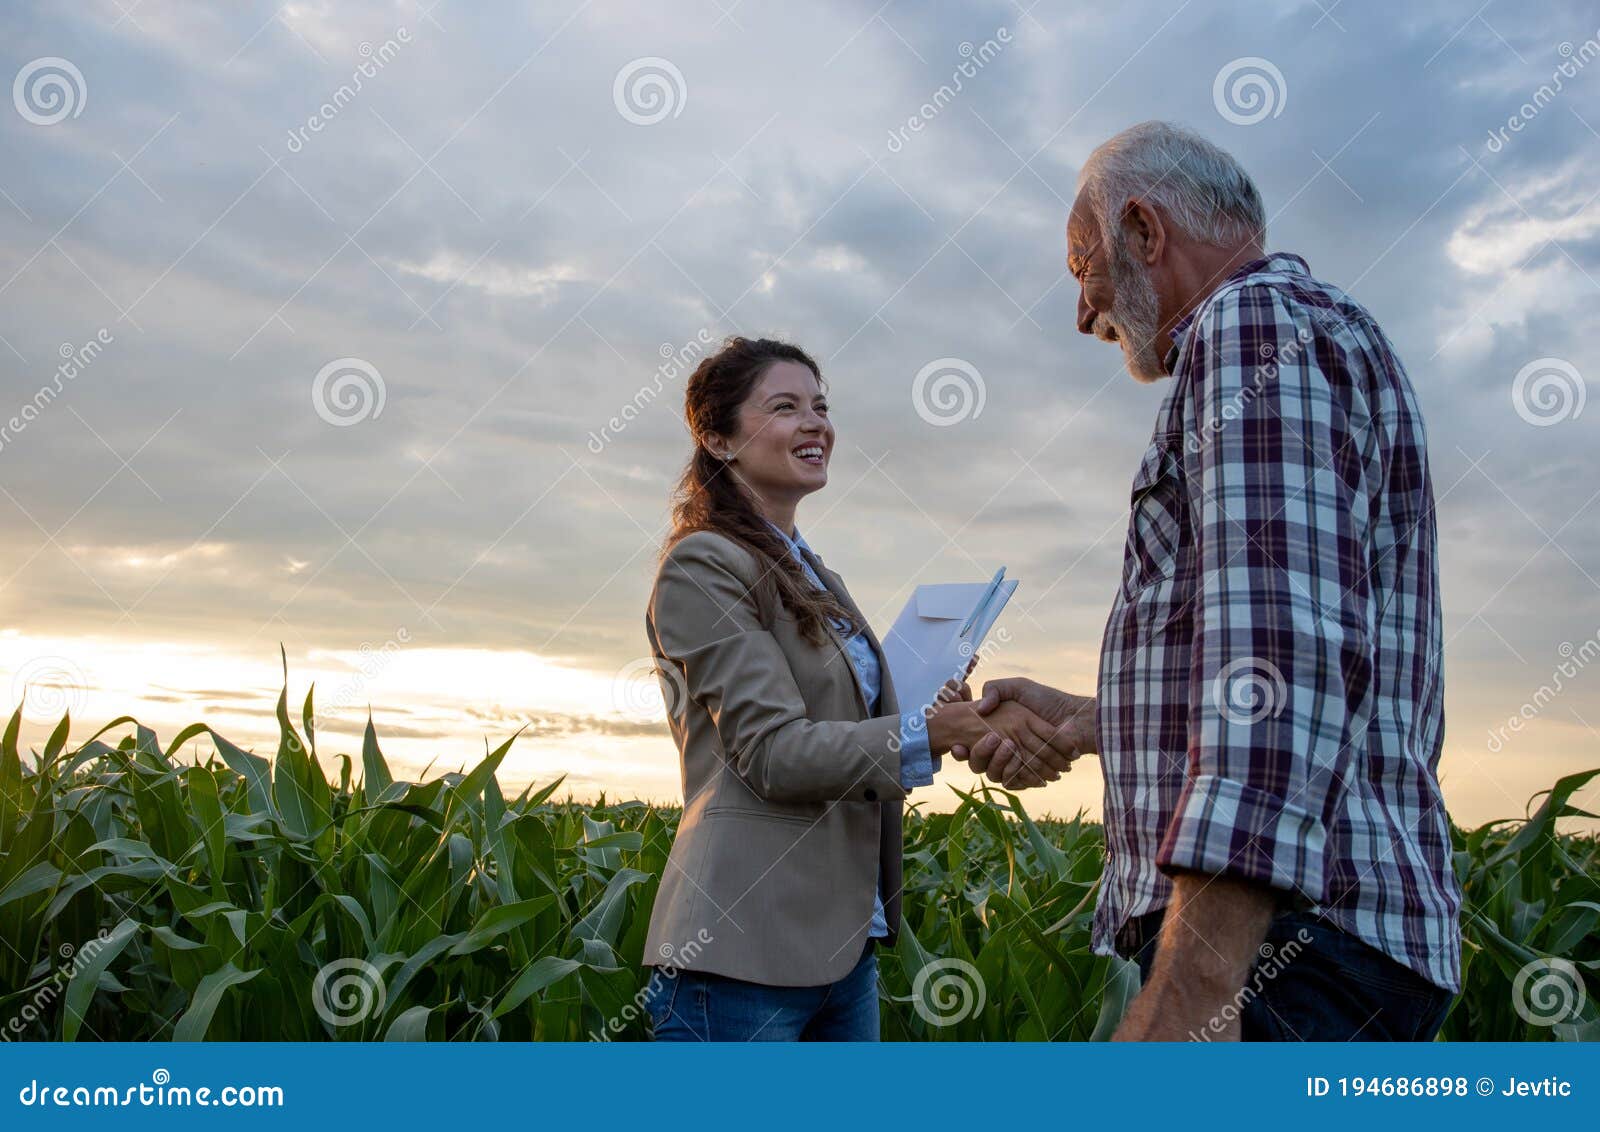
[[1135, 316]]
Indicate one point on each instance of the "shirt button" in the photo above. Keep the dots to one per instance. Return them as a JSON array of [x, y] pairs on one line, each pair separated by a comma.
[[870, 794]]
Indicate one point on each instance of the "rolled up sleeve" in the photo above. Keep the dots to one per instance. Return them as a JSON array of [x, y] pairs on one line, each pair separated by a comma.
[[1276, 464]]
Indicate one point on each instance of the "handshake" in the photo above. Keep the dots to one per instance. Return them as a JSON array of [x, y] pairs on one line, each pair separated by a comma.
[[1021, 733]]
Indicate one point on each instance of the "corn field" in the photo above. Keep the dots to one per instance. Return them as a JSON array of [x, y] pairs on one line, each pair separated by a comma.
[[143, 898]]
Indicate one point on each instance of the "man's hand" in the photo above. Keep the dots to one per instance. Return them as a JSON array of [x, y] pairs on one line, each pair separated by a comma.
[[1072, 722], [1008, 727], [1209, 940]]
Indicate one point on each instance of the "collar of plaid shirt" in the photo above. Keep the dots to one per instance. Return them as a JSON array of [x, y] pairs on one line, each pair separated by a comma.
[[1277, 261]]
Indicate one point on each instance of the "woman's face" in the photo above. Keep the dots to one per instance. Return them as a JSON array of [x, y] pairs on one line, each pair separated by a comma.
[[785, 439]]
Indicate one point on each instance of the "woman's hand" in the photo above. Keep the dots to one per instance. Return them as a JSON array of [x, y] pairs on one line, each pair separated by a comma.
[[953, 691], [1019, 733]]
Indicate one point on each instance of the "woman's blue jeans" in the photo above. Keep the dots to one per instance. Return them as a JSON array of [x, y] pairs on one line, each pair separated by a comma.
[[688, 1006]]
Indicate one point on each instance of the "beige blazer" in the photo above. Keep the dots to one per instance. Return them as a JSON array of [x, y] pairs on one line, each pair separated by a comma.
[[792, 795]]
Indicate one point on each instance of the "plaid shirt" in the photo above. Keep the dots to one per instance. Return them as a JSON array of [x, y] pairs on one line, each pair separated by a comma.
[[1271, 702]]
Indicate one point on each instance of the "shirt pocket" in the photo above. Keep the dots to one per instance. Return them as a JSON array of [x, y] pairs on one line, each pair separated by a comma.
[[1157, 517]]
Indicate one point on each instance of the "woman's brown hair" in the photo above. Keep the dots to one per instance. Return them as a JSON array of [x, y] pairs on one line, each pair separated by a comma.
[[709, 498]]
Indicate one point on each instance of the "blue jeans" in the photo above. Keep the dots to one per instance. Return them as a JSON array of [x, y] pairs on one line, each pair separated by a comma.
[[688, 1006], [1314, 982]]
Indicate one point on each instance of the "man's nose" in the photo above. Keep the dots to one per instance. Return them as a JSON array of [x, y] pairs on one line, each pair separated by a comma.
[[1085, 315]]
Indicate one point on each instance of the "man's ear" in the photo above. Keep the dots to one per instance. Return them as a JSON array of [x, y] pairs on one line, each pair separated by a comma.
[[1147, 236]]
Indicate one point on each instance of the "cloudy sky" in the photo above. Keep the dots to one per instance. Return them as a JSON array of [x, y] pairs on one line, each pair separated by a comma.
[[335, 303]]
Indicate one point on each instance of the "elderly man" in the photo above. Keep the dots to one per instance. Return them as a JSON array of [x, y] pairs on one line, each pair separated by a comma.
[[1271, 702]]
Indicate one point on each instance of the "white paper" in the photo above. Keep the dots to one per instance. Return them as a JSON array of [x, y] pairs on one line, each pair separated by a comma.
[[925, 647]]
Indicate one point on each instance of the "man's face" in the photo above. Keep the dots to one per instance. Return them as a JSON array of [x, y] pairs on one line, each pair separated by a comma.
[[1117, 300]]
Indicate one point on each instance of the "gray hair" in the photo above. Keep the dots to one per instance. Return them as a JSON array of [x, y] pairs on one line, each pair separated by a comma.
[[1200, 188]]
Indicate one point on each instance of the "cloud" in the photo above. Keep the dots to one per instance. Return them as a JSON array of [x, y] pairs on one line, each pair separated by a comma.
[[496, 279], [484, 228]]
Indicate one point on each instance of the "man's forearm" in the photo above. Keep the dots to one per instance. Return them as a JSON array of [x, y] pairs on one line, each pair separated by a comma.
[[1209, 940]]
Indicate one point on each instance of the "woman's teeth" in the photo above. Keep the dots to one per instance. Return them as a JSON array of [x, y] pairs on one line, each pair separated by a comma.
[[811, 455]]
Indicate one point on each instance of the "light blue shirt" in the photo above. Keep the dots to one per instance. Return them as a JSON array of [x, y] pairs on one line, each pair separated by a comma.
[[917, 762]]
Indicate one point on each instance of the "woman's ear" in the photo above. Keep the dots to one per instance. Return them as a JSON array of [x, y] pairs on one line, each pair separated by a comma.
[[718, 446]]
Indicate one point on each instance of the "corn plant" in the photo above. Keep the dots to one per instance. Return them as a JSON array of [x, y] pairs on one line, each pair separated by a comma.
[[1530, 926], [145, 897]]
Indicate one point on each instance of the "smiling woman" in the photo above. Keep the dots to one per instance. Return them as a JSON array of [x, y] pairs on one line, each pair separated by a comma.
[[789, 852], [760, 408]]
